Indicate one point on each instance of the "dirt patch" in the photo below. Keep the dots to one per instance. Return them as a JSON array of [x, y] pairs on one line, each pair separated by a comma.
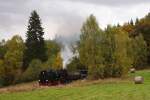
[[20, 87]]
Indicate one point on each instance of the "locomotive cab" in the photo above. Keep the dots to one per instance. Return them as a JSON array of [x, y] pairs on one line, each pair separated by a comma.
[[43, 78]]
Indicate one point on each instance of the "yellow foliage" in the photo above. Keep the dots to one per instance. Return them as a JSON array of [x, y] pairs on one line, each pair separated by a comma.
[[58, 62]]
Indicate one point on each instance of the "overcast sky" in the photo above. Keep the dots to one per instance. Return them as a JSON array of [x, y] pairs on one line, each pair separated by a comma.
[[65, 17]]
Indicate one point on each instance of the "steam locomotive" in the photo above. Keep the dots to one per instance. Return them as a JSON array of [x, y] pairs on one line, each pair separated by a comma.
[[55, 77]]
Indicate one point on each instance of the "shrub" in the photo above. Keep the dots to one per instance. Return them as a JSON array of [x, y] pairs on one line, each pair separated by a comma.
[[96, 72], [32, 71], [75, 65]]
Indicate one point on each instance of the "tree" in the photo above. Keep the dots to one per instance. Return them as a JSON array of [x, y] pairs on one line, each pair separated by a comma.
[[13, 59], [35, 45], [143, 27], [58, 62], [3, 49], [139, 52], [53, 48], [131, 22], [2, 72], [109, 49], [117, 52], [136, 21], [90, 50], [129, 27], [122, 59], [15, 49], [105, 53]]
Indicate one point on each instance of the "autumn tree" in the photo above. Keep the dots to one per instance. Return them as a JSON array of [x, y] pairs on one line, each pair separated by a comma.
[[13, 59], [58, 62], [122, 59], [90, 51], [143, 27], [53, 48], [129, 27], [105, 53], [118, 55]]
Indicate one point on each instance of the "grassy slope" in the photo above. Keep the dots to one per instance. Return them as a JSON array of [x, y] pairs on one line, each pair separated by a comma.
[[111, 90]]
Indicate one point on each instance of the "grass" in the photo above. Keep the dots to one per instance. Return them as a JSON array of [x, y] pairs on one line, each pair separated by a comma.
[[110, 89]]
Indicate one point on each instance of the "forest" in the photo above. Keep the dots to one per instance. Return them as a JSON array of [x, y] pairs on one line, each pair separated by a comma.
[[105, 53]]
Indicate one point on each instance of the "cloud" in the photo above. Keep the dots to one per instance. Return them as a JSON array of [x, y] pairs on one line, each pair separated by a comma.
[[56, 17], [112, 2], [65, 17]]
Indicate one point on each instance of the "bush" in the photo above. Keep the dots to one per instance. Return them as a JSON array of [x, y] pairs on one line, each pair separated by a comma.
[[96, 72], [75, 65], [6, 78], [32, 72]]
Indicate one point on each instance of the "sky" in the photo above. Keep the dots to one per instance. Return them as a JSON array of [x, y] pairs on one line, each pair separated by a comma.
[[64, 18]]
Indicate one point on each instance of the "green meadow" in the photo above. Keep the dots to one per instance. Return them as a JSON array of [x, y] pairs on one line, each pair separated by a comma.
[[118, 89]]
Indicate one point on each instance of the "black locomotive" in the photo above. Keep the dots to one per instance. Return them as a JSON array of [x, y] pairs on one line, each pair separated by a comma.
[[55, 77]]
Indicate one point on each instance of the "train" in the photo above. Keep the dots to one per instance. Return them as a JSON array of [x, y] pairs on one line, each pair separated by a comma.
[[63, 76]]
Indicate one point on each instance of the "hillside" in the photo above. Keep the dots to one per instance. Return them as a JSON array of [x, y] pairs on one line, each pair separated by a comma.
[[110, 89]]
